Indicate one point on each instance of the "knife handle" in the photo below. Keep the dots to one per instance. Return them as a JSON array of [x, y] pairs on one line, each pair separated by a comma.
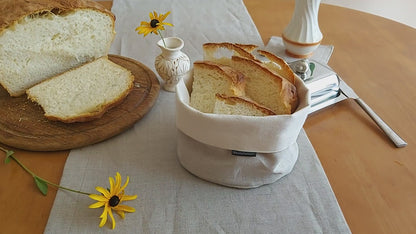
[[396, 139]]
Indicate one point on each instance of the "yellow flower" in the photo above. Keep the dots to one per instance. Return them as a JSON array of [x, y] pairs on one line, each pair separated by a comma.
[[155, 25], [111, 200]]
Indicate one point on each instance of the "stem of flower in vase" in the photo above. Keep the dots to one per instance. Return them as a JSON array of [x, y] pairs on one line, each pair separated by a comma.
[[161, 36]]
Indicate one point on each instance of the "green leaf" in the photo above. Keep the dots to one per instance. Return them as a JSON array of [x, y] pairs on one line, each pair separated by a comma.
[[42, 185], [312, 67], [8, 154]]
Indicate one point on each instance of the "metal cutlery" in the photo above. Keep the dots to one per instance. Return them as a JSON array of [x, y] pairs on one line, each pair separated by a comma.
[[349, 93], [327, 88]]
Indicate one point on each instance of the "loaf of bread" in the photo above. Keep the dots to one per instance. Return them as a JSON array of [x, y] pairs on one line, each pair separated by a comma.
[[269, 85], [84, 93], [239, 106], [210, 79], [43, 38]]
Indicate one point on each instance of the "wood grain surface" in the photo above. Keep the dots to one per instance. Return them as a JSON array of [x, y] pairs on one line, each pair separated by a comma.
[[374, 182], [23, 125]]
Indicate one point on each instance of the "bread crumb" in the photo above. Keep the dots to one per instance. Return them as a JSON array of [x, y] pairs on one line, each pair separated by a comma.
[[399, 163]]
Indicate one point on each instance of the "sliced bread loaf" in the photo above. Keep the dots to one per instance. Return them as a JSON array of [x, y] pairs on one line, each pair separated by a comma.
[[84, 93], [210, 79], [40, 39], [239, 106], [222, 53], [265, 87]]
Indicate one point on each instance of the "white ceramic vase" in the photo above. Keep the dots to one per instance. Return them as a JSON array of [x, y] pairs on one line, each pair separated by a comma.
[[172, 64], [302, 35]]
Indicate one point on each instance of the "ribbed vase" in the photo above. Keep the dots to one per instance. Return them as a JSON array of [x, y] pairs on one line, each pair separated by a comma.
[[302, 35], [172, 64]]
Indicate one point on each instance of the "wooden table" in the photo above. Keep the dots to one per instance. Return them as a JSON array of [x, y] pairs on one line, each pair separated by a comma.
[[374, 182]]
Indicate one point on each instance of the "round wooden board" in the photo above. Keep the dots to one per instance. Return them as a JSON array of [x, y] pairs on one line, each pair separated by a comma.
[[23, 125]]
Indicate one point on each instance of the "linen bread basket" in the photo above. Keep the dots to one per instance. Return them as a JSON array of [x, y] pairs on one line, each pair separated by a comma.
[[237, 151]]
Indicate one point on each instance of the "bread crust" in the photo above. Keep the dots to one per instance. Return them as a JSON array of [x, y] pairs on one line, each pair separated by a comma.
[[247, 47], [259, 66], [286, 70], [12, 11], [263, 109], [239, 49]]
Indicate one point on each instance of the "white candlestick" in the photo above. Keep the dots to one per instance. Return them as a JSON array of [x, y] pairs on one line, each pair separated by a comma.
[[302, 35]]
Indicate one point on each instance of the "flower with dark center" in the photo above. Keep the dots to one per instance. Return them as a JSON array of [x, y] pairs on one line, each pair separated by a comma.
[[155, 25], [111, 200]]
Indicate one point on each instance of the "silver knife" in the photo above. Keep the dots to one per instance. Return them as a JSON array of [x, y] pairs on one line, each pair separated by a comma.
[[349, 93], [320, 91]]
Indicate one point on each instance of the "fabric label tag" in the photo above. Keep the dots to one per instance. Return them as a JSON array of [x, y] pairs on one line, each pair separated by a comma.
[[243, 153]]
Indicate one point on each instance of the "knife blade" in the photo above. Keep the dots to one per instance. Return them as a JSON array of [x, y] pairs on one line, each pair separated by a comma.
[[349, 93]]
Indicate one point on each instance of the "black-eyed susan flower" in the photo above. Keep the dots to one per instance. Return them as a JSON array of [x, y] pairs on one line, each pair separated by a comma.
[[155, 25], [112, 199]]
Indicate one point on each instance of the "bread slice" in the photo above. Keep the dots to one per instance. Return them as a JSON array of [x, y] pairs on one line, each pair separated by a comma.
[[210, 79], [222, 52], [247, 47], [40, 39], [84, 93], [239, 106], [278, 66], [265, 87]]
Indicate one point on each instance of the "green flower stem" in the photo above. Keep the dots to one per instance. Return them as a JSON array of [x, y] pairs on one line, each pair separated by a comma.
[[35, 176], [161, 36]]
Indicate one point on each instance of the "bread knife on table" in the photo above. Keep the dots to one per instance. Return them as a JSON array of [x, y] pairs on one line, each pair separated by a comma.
[[349, 93], [321, 89]]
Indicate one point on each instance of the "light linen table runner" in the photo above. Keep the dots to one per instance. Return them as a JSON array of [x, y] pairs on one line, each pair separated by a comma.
[[170, 199]]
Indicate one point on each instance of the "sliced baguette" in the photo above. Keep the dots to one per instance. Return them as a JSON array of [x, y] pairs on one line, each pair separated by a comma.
[[84, 93], [40, 39], [239, 106]]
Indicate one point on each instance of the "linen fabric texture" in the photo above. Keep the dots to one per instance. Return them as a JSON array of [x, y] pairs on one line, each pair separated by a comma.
[[207, 142]]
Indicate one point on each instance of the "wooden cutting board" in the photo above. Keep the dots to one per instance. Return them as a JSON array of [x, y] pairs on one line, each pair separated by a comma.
[[23, 125]]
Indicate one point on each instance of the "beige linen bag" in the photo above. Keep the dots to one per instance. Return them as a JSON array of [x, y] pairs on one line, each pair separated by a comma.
[[238, 151]]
